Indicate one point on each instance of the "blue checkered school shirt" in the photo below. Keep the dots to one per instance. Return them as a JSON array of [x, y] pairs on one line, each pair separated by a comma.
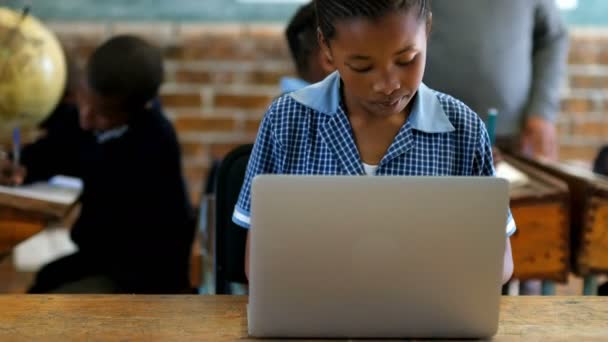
[[307, 132]]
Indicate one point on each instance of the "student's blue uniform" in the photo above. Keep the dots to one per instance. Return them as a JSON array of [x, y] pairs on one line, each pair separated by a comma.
[[307, 132], [291, 84]]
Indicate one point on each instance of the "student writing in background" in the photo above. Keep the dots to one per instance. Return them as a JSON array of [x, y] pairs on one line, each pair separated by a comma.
[[135, 229]]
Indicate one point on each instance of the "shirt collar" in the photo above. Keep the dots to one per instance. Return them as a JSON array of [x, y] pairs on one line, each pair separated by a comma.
[[427, 114], [290, 84], [114, 133], [324, 96]]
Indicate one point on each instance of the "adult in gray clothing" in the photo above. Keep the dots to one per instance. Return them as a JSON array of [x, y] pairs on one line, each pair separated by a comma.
[[503, 54]]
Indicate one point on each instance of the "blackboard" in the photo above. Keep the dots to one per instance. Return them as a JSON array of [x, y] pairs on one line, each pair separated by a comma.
[[586, 13], [170, 10]]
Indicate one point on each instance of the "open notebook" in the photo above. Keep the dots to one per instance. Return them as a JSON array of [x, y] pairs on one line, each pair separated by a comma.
[[53, 198], [515, 177]]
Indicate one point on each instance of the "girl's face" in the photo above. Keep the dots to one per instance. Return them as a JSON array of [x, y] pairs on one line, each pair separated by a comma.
[[381, 62]]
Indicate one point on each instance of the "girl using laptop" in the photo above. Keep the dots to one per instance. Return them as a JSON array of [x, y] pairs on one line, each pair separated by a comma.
[[373, 116]]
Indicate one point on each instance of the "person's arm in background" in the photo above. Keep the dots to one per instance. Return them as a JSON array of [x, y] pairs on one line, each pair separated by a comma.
[[56, 152], [10, 173], [550, 39]]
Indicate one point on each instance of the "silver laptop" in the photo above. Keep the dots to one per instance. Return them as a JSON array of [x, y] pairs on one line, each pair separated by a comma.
[[376, 257]]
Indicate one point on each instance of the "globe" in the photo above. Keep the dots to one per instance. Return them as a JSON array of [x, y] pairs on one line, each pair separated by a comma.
[[32, 71]]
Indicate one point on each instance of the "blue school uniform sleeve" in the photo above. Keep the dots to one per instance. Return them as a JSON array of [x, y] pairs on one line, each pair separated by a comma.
[[263, 160], [483, 165]]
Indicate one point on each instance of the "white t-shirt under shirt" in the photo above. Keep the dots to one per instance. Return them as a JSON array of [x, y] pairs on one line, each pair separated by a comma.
[[370, 170]]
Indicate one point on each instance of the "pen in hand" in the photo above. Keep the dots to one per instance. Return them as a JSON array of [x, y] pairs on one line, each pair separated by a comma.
[[16, 147]]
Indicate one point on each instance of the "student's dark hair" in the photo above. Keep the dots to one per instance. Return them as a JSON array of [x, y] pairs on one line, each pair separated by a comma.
[[331, 11], [301, 34], [126, 68]]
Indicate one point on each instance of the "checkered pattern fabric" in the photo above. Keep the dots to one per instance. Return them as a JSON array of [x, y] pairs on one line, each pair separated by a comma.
[[296, 139]]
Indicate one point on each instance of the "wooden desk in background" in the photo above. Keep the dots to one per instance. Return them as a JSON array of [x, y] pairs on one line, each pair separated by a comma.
[[18, 225], [22, 217], [541, 245], [223, 318], [589, 219]]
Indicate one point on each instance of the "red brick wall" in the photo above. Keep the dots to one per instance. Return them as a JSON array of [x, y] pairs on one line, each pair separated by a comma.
[[221, 77], [583, 121]]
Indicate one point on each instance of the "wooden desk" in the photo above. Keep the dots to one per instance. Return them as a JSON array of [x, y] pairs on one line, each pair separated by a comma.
[[541, 245], [589, 218], [22, 218], [222, 318], [18, 225]]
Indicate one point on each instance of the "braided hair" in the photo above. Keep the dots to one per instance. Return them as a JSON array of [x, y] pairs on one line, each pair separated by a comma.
[[331, 11]]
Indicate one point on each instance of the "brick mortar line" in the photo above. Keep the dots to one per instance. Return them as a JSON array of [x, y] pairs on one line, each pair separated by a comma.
[[278, 65]]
